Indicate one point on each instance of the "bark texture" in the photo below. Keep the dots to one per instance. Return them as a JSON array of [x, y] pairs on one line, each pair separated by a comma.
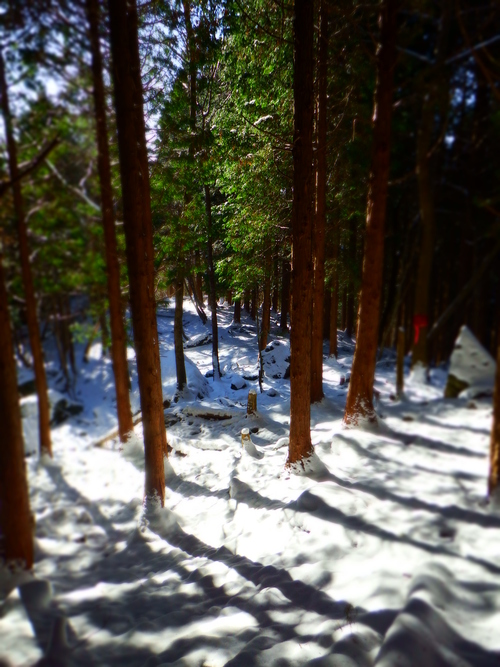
[[118, 336], [334, 306], [138, 234], [302, 222], [320, 218], [425, 136], [266, 306], [349, 302], [285, 295], [15, 518], [360, 395], [180, 366], [45, 443], [237, 311], [494, 474]]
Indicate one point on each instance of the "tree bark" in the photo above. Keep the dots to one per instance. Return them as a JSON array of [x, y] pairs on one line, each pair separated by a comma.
[[327, 304], [343, 314], [45, 443], [425, 134], [254, 305], [178, 342], [359, 402], [138, 234], [285, 295], [320, 218], [118, 335], [276, 280], [266, 306], [494, 473], [349, 312], [300, 446], [211, 281], [334, 306], [15, 519], [237, 311]]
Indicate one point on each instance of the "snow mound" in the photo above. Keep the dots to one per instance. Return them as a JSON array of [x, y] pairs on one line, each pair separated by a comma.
[[472, 368], [61, 408], [311, 466], [276, 359], [237, 382], [430, 629], [196, 383], [199, 340]]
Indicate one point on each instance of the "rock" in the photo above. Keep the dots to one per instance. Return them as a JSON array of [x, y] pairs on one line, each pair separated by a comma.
[[251, 377], [171, 419], [272, 392], [64, 409], [26, 388], [472, 368], [198, 340], [287, 373], [238, 383]]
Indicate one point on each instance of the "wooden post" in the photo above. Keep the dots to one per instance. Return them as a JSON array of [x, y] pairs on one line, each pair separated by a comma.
[[252, 402], [400, 371], [245, 434]]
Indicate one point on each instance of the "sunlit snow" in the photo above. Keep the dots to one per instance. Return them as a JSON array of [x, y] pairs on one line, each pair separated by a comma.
[[381, 552]]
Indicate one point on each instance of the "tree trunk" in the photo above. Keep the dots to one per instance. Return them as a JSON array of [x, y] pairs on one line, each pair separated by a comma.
[[275, 299], [333, 347], [178, 341], [400, 368], [266, 306], [237, 311], [138, 234], [343, 314], [494, 474], [327, 304], [15, 519], [349, 313], [359, 404], [254, 306], [246, 301], [334, 306], [118, 335], [425, 135], [320, 217], [285, 295], [300, 446], [211, 280], [29, 291]]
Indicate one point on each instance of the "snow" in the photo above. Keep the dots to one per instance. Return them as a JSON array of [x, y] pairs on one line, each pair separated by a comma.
[[471, 365], [381, 552]]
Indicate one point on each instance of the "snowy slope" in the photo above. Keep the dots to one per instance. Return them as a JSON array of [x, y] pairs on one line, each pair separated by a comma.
[[385, 554]]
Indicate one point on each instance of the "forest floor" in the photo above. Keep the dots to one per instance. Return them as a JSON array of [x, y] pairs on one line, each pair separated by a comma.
[[385, 553]]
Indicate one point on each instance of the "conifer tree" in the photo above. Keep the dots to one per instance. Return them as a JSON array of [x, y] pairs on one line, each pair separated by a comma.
[[359, 398], [118, 335], [15, 519], [29, 290], [300, 446], [139, 233]]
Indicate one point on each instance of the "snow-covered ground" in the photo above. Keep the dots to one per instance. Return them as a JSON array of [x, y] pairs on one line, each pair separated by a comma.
[[385, 554]]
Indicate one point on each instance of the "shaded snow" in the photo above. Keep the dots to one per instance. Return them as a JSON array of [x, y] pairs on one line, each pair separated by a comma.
[[383, 553]]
